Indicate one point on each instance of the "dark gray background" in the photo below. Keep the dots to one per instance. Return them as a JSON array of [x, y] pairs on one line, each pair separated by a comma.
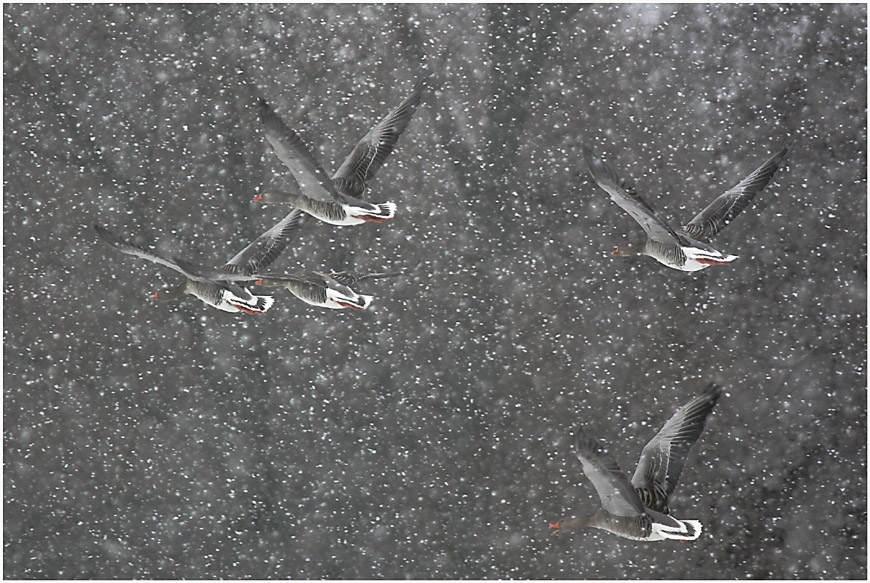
[[429, 436]]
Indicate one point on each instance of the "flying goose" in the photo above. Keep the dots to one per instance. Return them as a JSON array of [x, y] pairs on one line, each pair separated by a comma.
[[686, 248], [219, 288], [326, 291], [638, 509], [336, 200]]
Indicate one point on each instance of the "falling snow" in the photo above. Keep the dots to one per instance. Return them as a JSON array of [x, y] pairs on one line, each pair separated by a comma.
[[429, 436]]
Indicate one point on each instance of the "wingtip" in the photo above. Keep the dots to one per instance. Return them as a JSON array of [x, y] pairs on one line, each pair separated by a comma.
[[583, 441], [713, 389], [784, 150], [106, 235], [263, 105], [589, 157], [265, 110]]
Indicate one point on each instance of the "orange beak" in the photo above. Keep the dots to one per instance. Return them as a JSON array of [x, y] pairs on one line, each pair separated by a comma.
[[258, 198]]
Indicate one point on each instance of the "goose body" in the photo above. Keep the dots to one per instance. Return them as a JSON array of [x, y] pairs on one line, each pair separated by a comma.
[[326, 291], [219, 296], [336, 200], [686, 248], [638, 509], [219, 288]]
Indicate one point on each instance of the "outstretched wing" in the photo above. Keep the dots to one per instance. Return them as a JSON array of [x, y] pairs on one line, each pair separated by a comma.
[[369, 154], [615, 491], [184, 267], [263, 250], [306, 277], [622, 192], [351, 278], [662, 459], [722, 211], [292, 151]]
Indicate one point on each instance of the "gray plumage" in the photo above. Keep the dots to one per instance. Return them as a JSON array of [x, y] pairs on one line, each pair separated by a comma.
[[728, 205], [685, 248], [637, 509], [353, 278], [209, 284], [292, 151], [370, 153], [319, 289], [623, 193], [663, 457], [336, 200]]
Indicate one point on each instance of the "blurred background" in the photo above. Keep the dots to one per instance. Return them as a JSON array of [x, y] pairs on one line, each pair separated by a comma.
[[430, 435]]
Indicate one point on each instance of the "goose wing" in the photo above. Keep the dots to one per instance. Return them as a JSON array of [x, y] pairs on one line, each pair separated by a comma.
[[615, 491], [727, 206], [302, 276], [372, 150], [306, 277], [292, 151], [263, 250], [351, 278], [622, 192], [183, 267], [662, 459]]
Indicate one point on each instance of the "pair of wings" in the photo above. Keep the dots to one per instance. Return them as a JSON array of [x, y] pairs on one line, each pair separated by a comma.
[[257, 255], [715, 217], [360, 166], [661, 461]]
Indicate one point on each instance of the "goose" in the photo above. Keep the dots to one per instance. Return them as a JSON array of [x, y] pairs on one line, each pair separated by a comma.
[[327, 291], [686, 248], [219, 288], [336, 201], [638, 509]]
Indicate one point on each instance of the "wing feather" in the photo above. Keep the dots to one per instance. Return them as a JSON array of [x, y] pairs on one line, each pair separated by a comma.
[[263, 250], [351, 278], [622, 192], [663, 457], [728, 205], [183, 267], [615, 491], [372, 150], [292, 151]]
